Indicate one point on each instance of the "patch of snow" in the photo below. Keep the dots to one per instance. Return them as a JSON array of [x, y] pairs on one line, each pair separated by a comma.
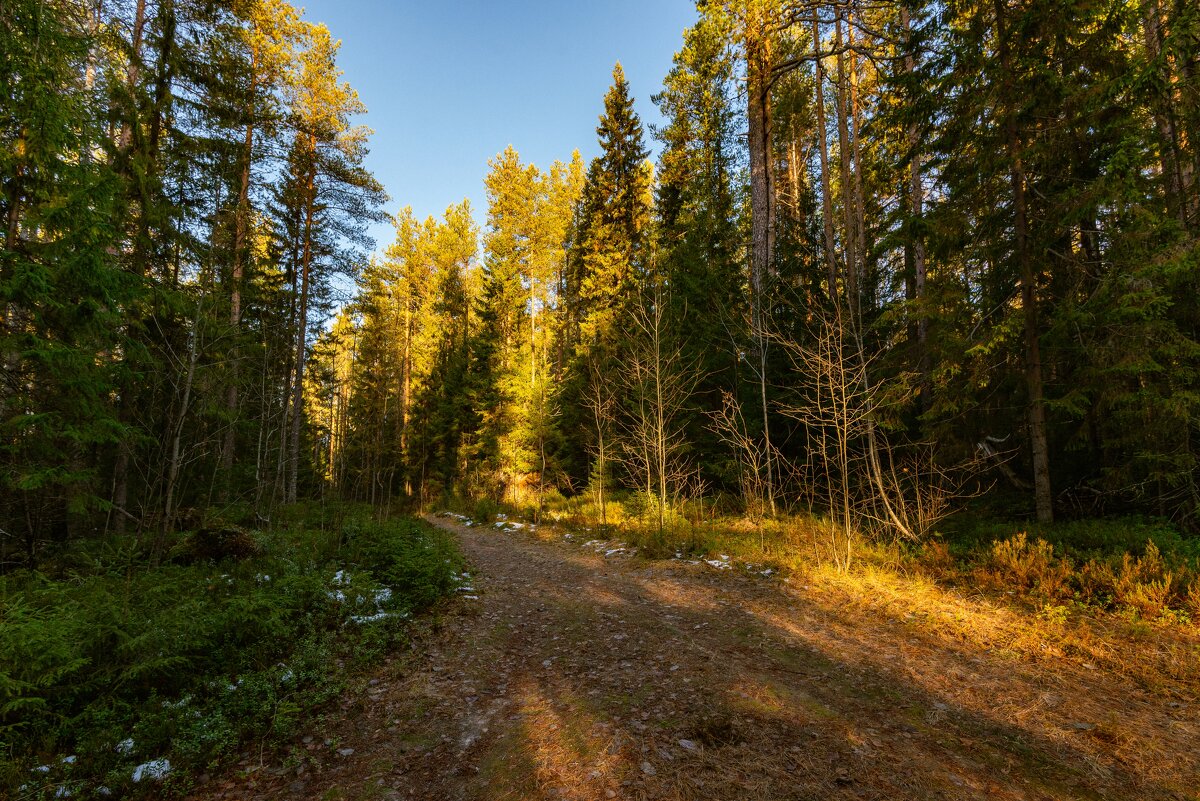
[[42, 769], [125, 746], [68, 760], [717, 564], [62, 792], [156, 769], [471, 597], [341, 578]]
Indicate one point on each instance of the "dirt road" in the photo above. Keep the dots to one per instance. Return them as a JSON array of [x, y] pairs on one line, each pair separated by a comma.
[[567, 674]]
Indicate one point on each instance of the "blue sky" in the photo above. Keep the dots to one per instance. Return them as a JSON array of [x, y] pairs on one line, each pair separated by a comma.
[[448, 85]]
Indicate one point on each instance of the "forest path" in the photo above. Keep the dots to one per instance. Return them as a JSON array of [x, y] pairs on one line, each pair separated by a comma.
[[571, 675]]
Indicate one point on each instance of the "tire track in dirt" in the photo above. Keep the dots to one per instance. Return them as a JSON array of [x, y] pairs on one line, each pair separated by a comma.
[[573, 676]]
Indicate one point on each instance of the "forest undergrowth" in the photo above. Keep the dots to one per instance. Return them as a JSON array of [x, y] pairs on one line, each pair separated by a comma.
[[122, 674]]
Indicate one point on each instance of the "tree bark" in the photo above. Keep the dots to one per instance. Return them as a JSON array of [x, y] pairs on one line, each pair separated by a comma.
[[240, 230], [822, 135], [1033, 361], [916, 208], [762, 224], [1171, 157], [850, 240], [301, 330]]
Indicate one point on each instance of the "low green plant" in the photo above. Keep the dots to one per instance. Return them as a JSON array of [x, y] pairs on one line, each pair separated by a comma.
[[115, 661]]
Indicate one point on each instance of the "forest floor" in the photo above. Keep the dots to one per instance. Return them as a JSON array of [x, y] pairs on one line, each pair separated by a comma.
[[566, 672]]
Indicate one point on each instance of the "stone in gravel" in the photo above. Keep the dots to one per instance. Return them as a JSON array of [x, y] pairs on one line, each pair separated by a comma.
[[346, 752], [648, 769], [688, 745]]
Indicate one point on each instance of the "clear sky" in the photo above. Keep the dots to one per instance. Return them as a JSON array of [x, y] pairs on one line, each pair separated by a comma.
[[448, 84]]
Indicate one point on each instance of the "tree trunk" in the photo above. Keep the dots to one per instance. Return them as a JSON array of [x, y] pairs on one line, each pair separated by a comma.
[[1033, 360], [240, 231], [822, 135], [1172, 160], [176, 460], [133, 76], [916, 208], [849, 241], [860, 223], [762, 224], [301, 332]]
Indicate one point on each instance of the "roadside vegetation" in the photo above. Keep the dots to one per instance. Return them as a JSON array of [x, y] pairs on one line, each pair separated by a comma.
[[1120, 594], [124, 674]]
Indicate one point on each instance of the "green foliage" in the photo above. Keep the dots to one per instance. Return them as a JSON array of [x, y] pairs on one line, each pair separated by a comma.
[[191, 661]]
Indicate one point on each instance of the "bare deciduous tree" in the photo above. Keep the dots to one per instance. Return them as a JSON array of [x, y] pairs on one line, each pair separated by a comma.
[[659, 383]]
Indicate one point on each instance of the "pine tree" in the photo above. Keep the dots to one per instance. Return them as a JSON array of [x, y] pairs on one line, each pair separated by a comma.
[[697, 240], [61, 293], [326, 198], [608, 252]]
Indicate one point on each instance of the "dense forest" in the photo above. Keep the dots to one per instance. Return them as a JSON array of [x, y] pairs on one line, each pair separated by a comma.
[[906, 303], [891, 255]]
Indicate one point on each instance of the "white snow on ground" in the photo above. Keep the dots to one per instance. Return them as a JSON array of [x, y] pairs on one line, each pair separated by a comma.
[[721, 562], [466, 521], [610, 549], [379, 597], [125, 746], [154, 769]]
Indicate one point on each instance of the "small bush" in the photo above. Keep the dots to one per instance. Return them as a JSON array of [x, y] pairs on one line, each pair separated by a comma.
[[1144, 583], [485, 510], [1192, 601], [1025, 565], [936, 559]]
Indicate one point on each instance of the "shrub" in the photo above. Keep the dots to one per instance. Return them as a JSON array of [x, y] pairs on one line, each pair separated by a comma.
[[1144, 583], [1193, 599], [1026, 565]]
